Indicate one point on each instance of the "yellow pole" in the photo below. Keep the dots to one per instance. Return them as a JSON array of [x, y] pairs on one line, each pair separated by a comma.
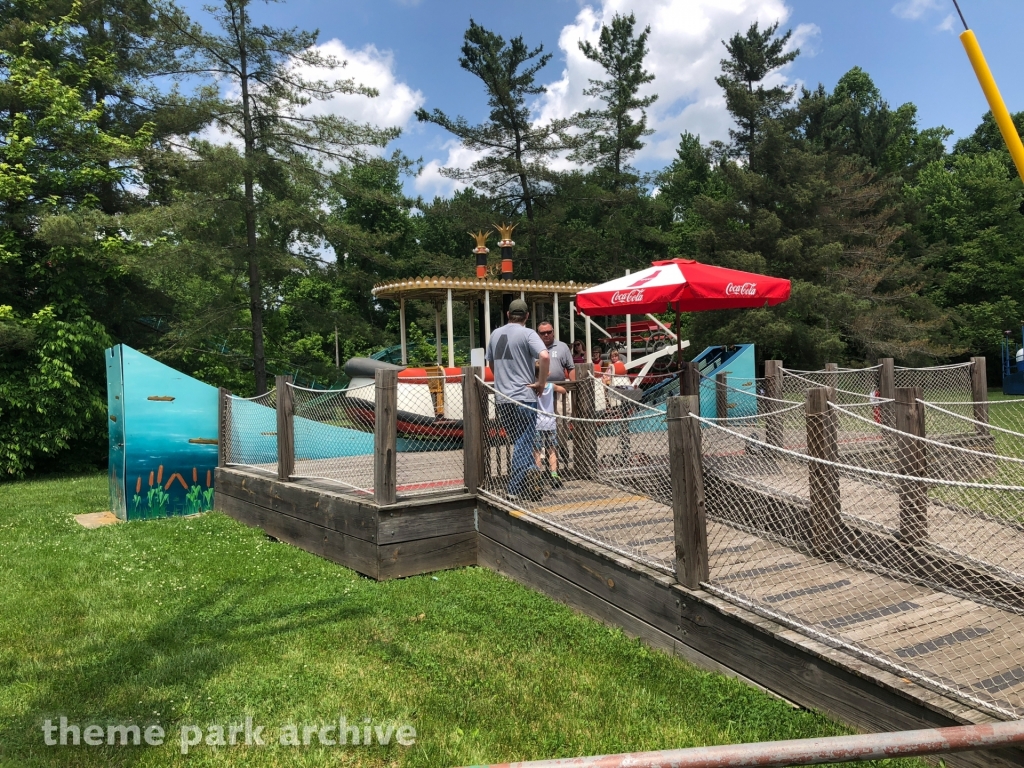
[[995, 100]]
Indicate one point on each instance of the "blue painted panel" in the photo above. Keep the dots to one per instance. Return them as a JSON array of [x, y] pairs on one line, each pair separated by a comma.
[[739, 367], [115, 434], [170, 438], [326, 441]]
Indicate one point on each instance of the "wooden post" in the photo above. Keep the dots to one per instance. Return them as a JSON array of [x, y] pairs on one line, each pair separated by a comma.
[[887, 389], [823, 443], [472, 430], [688, 513], [689, 382], [223, 427], [911, 461], [721, 396], [979, 393], [773, 390], [584, 438], [285, 429], [832, 375], [385, 437]]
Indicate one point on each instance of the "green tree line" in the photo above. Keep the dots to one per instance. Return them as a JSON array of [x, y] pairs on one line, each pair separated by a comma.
[[172, 186]]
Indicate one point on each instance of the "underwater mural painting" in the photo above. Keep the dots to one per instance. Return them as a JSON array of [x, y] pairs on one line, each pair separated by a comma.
[[162, 429]]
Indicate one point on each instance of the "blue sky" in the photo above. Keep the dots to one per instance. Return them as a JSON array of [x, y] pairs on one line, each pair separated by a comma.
[[409, 49]]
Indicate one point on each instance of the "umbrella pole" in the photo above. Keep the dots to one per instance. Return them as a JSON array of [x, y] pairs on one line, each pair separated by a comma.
[[679, 343]]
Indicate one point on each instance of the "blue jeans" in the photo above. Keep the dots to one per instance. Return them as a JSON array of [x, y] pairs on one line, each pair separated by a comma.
[[520, 425]]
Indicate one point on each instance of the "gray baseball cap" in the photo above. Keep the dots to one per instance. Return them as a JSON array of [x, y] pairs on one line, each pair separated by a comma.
[[518, 306]]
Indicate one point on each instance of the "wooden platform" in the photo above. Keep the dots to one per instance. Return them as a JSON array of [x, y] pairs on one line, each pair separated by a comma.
[[567, 549], [417, 535]]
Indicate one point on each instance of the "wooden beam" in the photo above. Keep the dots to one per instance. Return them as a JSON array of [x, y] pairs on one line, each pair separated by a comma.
[[911, 461], [285, 428], [823, 443], [721, 395], [691, 533], [385, 437], [773, 389], [979, 393], [689, 380], [223, 426], [832, 375], [887, 389], [472, 429]]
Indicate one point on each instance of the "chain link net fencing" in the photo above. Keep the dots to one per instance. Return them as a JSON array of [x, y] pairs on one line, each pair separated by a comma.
[[430, 456], [250, 428], [601, 475], [334, 435], [905, 550], [851, 385]]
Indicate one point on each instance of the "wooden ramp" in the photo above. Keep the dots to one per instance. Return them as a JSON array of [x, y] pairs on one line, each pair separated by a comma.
[[606, 551]]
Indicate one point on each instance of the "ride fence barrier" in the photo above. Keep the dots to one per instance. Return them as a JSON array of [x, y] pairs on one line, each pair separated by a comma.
[[334, 435], [613, 482], [249, 431], [906, 551]]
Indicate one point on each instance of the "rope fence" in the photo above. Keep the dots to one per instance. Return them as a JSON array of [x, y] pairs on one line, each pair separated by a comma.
[[840, 503]]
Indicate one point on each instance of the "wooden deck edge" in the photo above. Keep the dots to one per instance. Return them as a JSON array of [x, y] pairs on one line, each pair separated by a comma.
[[453, 545], [648, 604]]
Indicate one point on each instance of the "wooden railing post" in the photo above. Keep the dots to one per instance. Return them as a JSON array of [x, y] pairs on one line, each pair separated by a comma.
[[223, 427], [773, 390], [911, 461], [686, 472], [689, 382], [385, 437], [823, 443], [285, 428], [721, 395], [584, 437], [472, 429], [832, 375], [887, 389], [979, 393]]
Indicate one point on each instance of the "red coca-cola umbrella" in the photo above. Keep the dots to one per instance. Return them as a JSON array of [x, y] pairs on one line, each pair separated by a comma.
[[684, 285]]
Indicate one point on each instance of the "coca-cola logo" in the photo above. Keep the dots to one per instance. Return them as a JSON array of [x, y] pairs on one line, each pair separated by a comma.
[[628, 297], [745, 289]]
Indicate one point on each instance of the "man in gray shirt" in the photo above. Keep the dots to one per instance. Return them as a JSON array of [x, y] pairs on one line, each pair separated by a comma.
[[511, 353], [562, 366]]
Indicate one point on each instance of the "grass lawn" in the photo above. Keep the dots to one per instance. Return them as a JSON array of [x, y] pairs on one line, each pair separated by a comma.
[[202, 621]]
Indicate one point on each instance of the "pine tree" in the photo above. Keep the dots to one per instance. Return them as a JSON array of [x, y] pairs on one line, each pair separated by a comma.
[[513, 169], [611, 136], [264, 111]]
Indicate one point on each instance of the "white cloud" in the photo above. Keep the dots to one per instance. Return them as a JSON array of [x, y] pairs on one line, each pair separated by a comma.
[[396, 102], [915, 9], [392, 107], [948, 24], [429, 182], [685, 50]]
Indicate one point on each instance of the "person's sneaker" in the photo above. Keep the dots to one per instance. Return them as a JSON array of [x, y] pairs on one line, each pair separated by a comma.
[[556, 481]]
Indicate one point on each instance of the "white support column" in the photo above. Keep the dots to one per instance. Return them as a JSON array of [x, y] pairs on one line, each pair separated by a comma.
[[554, 312], [572, 326], [590, 343], [401, 330], [451, 333], [437, 330], [487, 318], [629, 336]]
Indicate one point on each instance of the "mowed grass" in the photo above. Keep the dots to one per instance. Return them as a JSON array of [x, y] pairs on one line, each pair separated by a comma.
[[202, 621]]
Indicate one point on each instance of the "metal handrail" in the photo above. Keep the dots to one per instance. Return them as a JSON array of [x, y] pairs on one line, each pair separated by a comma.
[[833, 749]]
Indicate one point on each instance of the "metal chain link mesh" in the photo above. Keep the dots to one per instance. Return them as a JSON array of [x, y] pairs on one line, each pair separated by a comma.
[[251, 430]]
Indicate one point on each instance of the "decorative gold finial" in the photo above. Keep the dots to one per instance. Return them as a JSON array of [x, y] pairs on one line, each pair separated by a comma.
[[505, 230], [481, 241]]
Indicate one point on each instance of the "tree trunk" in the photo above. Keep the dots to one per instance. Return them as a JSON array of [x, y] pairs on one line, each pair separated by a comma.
[[528, 204], [259, 359]]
